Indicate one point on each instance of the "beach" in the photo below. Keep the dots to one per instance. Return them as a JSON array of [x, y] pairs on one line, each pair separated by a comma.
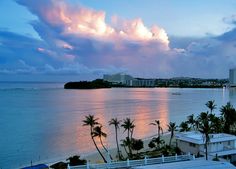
[[49, 120], [94, 157]]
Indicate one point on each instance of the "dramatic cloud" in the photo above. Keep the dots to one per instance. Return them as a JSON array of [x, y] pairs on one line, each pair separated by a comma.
[[78, 40]]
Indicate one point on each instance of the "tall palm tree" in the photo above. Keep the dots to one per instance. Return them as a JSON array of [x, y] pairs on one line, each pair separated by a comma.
[[216, 123], [128, 126], [211, 105], [172, 127], [205, 129], [159, 128], [97, 132], [116, 123], [228, 113], [91, 121]]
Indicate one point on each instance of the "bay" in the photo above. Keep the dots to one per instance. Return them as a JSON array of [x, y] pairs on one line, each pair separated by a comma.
[[42, 121]]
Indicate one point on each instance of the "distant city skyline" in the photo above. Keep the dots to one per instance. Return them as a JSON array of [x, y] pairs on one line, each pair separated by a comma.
[[61, 40]]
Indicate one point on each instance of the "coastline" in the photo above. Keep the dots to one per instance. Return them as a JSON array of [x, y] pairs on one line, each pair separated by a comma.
[[94, 157]]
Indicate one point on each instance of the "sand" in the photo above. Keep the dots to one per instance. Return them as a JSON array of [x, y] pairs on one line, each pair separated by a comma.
[[96, 158]]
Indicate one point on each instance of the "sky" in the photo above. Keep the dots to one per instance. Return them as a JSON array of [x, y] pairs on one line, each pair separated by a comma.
[[63, 40]]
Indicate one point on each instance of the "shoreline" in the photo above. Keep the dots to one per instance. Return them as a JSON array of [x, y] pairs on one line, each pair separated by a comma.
[[94, 157]]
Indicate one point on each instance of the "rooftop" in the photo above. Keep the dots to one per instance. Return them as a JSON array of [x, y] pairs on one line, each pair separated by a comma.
[[193, 164], [197, 137]]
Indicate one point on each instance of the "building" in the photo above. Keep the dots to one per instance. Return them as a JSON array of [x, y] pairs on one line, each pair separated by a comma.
[[221, 144], [138, 82], [232, 77], [129, 80], [118, 78]]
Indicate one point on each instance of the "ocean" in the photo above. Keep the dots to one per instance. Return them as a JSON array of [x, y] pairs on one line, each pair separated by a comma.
[[42, 121]]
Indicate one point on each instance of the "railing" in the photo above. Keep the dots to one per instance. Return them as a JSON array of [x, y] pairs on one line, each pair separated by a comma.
[[135, 163]]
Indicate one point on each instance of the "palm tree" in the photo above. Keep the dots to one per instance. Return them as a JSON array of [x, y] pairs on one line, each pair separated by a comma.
[[211, 105], [184, 126], [91, 121], [229, 116], [159, 128], [191, 121], [128, 126], [205, 129], [97, 132], [172, 127], [116, 123], [216, 123]]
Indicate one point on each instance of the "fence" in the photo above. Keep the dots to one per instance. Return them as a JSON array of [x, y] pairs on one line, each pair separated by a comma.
[[135, 163]]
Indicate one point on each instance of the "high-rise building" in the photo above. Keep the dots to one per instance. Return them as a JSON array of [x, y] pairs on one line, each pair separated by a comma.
[[232, 77], [128, 80]]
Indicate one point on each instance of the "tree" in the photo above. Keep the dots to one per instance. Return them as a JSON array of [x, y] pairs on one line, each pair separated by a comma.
[[116, 123], [228, 113], [97, 132], [211, 105], [172, 127], [159, 128], [128, 126], [205, 129], [91, 121], [191, 121], [184, 126], [156, 142], [75, 160], [216, 123], [137, 144]]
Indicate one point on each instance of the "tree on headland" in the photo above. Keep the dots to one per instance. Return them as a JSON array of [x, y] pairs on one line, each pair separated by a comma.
[[91, 121], [172, 127], [211, 105], [116, 123]]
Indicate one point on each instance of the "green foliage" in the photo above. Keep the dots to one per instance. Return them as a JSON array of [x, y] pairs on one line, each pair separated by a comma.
[[156, 142], [75, 160], [184, 127], [96, 84], [151, 144], [228, 114], [136, 144]]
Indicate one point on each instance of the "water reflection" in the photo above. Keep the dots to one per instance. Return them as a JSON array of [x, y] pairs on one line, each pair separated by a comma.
[[52, 124], [232, 96]]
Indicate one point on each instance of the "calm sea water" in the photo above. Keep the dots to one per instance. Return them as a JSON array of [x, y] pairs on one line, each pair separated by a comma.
[[42, 121]]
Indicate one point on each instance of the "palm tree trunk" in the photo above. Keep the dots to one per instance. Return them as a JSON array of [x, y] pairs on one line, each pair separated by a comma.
[[98, 150], [117, 144], [91, 133], [170, 141], [104, 147], [129, 145], [126, 150], [206, 150]]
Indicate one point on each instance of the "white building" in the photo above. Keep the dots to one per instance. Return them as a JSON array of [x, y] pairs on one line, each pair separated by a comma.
[[232, 77], [118, 78], [221, 144], [129, 80]]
